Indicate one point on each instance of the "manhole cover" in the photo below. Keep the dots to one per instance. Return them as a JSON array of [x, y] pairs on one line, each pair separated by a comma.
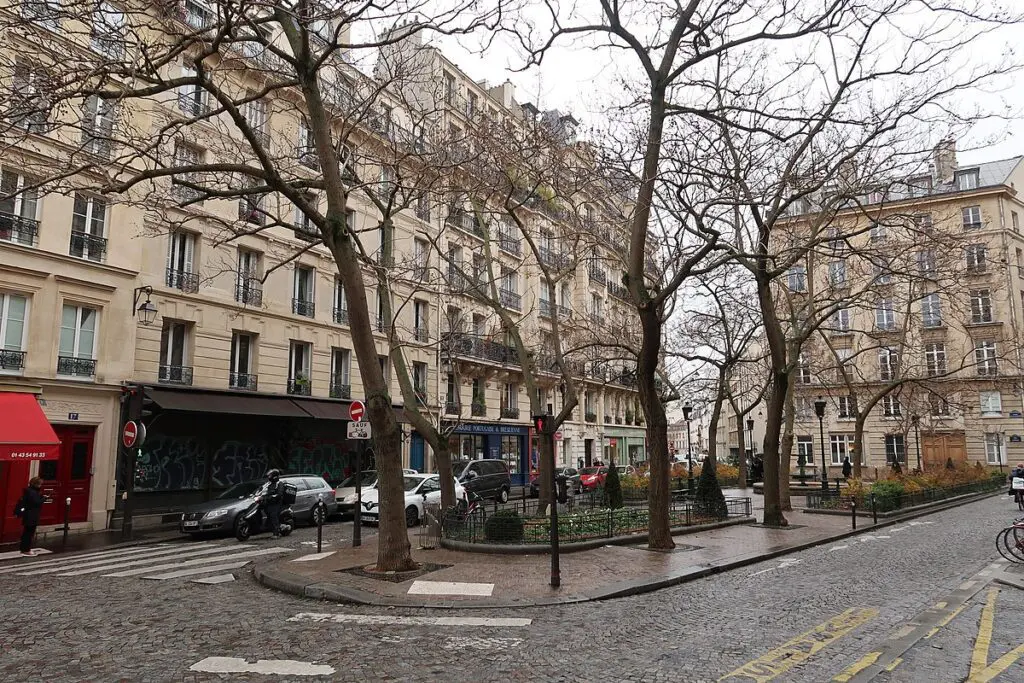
[[395, 577]]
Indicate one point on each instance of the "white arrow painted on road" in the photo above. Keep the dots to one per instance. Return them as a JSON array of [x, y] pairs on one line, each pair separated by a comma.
[[789, 562], [838, 547], [279, 667]]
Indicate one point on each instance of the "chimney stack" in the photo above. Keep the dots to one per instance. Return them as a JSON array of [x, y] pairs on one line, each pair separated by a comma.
[[944, 160]]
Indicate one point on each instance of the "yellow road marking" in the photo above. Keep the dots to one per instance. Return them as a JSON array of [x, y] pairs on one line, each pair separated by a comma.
[[931, 633], [941, 605], [952, 616], [896, 662], [799, 649], [997, 667], [858, 666], [979, 656]]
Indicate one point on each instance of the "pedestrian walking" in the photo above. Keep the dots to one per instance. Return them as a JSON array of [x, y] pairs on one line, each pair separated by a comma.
[[28, 508], [847, 467]]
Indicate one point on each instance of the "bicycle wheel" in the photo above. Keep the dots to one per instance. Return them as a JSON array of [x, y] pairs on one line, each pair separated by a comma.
[[1013, 540], [1001, 544]]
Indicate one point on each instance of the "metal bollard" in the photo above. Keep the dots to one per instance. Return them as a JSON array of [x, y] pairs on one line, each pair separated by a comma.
[[874, 510], [320, 515], [853, 512], [67, 519]]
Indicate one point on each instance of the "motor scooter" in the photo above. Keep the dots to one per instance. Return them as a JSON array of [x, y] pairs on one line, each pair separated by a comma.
[[255, 521]]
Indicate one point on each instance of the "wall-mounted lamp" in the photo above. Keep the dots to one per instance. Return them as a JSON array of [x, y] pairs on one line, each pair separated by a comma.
[[147, 309]]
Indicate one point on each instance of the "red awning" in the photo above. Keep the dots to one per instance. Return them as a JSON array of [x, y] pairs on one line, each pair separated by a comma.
[[25, 433]]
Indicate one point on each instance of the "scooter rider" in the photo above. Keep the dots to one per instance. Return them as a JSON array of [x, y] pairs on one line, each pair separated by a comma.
[[272, 501]]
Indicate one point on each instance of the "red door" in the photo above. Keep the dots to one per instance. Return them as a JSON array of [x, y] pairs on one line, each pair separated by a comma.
[[13, 480], [68, 477]]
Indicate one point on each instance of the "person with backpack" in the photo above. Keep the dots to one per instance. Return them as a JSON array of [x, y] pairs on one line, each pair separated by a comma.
[[28, 508]]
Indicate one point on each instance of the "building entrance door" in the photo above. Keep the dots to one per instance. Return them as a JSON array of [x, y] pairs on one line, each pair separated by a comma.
[[936, 449], [416, 452], [588, 452], [13, 480], [68, 477]]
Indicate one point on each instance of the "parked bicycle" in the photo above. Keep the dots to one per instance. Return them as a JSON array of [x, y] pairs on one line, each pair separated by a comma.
[[1010, 542]]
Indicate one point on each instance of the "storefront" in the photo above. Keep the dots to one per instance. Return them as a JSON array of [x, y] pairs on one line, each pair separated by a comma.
[[624, 446], [476, 441]]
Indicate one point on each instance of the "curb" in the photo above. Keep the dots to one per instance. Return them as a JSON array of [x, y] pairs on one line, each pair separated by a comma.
[[302, 586]]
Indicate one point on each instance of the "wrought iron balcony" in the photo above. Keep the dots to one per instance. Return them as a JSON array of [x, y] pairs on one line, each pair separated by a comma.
[[76, 367], [192, 104], [12, 360], [552, 258], [510, 413], [175, 374], [243, 381], [249, 291], [308, 158], [465, 221], [300, 386], [479, 410], [18, 229], [452, 408], [618, 291], [511, 244], [462, 344], [607, 419], [546, 309], [591, 417], [383, 324], [340, 315], [306, 231], [597, 275], [186, 282], [618, 420], [421, 395], [304, 307], [340, 387], [511, 300], [84, 245]]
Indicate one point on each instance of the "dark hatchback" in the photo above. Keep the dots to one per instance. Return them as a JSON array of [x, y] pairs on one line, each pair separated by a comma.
[[220, 514], [571, 474]]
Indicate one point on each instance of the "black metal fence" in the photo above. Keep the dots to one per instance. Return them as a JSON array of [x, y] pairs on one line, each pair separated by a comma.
[[517, 522], [890, 498]]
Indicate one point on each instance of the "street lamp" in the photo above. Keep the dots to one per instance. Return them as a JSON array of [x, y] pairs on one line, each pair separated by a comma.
[[147, 309], [916, 419], [819, 410], [687, 411], [750, 431]]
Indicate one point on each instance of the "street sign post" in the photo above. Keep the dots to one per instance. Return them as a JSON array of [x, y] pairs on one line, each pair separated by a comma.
[[359, 430], [134, 434], [356, 411]]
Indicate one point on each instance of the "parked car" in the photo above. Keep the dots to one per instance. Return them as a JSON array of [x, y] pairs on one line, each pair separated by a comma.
[[593, 477], [345, 493], [626, 470], [419, 489], [222, 513], [571, 473], [488, 478]]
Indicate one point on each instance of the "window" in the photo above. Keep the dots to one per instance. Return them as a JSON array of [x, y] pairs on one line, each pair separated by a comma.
[[841, 320], [878, 230], [510, 289], [87, 227], [186, 157], [802, 409], [385, 368], [340, 312], [841, 446], [306, 148], [18, 208], [248, 284], [805, 450], [847, 406], [938, 406], [302, 291], [419, 316], [191, 96], [981, 306], [985, 357], [77, 352], [180, 252], [935, 359], [835, 240], [450, 91], [242, 351], [931, 310], [451, 395], [994, 449], [255, 114], [305, 228], [895, 449], [926, 262], [13, 314], [977, 261], [883, 275], [383, 316], [387, 180], [919, 187], [30, 87], [803, 371], [300, 362], [991, 403], [837, 273], [596, 306], [42, 12], [971, 217], [885, 316], [98, 126], [888, 364], [421, 258], [197, 14], [891, 406], [341, 373], [419, 381], [173, 361], [923, 222], [1015, 221], [966, 180], [250, 209], [797, 279]]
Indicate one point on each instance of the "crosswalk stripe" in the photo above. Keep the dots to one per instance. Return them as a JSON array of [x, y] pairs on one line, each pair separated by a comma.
[[199, 570], [107, 567], [108, 561], [22, 566], [202, 560]]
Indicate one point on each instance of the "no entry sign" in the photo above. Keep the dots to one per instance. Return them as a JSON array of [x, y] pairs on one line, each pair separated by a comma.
[[130, 434], [356, 411]]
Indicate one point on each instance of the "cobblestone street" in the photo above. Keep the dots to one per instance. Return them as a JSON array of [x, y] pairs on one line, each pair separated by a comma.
[[809, 616]]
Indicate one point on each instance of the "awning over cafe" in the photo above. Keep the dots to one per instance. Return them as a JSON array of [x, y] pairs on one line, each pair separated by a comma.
[[25, 433]]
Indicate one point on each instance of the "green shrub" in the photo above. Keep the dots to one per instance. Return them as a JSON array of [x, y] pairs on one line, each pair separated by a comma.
[[504, 526], [709, 499], [887, 494]]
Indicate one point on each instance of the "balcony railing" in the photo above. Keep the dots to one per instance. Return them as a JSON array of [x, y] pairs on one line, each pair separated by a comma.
[[421, 334], [175, 374], [511, 244], [479, 410], [249, 291], [510, 413], [618, 291], [591, 417], [12, 360], [511, 300], [421, 395], [546, 309], [452, 408], [192, 104], [306, 231], [340, 387], [186, 282], [597, 275], [243, 381], [308, 158], [303, 307], [300, 387], [465, 221], [552, 258], [87, 246], [618, 420], [340, 315], [474, 347], [18, 229], [76, 367], [383, 324]]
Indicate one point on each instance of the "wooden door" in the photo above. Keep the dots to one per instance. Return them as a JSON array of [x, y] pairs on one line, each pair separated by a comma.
[[13, 480], [936, 449], [68, 477]]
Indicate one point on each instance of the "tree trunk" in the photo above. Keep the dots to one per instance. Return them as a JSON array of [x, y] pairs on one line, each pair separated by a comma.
[[785, 455], [741, 446], [776, 338], [443, 457], [857, 457], [659, 529], [716, 414]]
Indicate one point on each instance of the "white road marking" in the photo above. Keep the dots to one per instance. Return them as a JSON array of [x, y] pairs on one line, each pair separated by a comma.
[[198, 561], [471, 643], [134, 562], [314, 557], [198, 570], [450, 588], [271, 667], [838, 547], [784, 564], [87, 557], [380, 619], [15, 554], [919, 523], [314, 543], [99, 565], [898, 528], [219, 578]]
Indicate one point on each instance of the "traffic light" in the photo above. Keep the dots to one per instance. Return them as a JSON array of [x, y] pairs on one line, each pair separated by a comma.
[[140, 406], [540, 423]]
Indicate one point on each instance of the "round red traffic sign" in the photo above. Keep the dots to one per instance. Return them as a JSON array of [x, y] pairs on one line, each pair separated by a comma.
[[356, 411], [130, 434]]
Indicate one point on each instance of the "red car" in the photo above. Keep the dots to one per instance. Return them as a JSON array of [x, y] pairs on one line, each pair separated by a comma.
[[593, 477]]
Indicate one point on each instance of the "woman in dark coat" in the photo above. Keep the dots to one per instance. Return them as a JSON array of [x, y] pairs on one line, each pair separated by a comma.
[[31, 504]]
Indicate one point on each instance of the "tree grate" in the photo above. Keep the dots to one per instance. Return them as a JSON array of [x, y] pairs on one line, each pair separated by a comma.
[[394, 577]]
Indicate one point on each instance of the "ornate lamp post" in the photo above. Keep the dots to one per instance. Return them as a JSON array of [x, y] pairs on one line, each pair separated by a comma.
[[819, 410], [916, 419], [687, 412], [750, 440]]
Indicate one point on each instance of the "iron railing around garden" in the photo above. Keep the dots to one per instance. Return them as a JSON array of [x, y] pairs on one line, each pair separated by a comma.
[[888, 500]]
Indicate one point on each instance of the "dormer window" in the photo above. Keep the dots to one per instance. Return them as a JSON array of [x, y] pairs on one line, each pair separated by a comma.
[[966, 180]]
